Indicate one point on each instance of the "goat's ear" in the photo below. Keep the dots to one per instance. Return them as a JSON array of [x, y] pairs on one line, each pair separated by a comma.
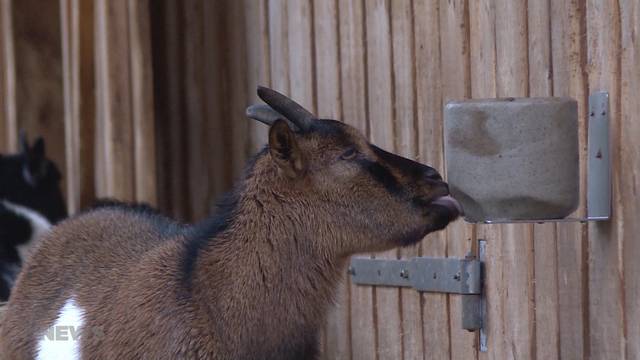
[[38, 149], [36, 161], [24, 143], [284, 149]]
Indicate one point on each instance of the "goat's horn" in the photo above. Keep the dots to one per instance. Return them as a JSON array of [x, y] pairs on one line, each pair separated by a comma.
[[291, 110], [265, 114]]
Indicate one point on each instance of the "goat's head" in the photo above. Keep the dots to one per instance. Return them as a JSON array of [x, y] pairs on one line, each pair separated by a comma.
[[380, 200], [30, 179]]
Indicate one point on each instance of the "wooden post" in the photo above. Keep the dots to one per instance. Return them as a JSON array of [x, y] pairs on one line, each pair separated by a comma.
[[8, 123], [429, 80], [142, 110], [79, 100], [606, 246]]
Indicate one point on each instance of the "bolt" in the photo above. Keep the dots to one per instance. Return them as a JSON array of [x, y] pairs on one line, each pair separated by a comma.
[[435, 275], [404, 274], [351, 271], [456, 277]]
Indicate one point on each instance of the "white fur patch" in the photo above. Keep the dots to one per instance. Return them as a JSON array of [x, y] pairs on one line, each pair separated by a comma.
[[62, 340], [39, 226]]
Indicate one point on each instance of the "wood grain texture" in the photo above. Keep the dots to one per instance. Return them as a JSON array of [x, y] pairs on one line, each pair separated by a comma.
[[483, 85], [606, 247], [258, 62], [279, 45], [114, 98], [353, 75], [8, 121], [568, 53], [428, 83], [76, 20], [301, 61], [517, 243], [337, 333], [168, 59], [380, 90], [141, 84], [406, 144], [630, 175], [194, 90], [545, 251], [224, 99], [455, 66]]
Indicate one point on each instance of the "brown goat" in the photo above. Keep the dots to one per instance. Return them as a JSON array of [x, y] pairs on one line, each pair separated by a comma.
[[253, 282]]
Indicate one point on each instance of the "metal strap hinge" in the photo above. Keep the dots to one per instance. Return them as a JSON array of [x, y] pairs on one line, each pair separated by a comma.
[[445, 275], [431, 274]]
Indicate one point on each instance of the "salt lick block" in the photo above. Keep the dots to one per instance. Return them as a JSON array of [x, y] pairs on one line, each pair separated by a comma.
[[513, 158]]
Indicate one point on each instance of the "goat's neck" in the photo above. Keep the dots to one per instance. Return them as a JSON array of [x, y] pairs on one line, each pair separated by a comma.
[[275, 253]]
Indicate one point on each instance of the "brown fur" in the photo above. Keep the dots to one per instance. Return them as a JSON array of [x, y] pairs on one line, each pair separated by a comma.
[[256, 287]]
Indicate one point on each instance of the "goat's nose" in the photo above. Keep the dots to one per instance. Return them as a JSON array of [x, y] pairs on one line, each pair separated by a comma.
[[432, 174]]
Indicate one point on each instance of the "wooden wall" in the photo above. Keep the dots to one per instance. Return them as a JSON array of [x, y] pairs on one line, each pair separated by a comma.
[[176, 136]]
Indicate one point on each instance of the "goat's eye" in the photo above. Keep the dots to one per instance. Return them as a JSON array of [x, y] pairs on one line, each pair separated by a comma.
[[350, 154]]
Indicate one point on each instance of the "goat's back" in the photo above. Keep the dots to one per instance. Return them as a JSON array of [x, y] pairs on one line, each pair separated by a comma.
[[107, 260]]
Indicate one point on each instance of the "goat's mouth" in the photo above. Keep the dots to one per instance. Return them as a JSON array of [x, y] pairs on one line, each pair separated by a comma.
[[440, 211], [445, 204], [451, 204]]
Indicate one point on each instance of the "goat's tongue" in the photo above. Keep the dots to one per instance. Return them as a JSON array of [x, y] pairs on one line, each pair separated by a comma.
[[450, 203]]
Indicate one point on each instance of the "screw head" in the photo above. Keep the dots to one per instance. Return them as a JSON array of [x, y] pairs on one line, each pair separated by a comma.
[[404, 274]]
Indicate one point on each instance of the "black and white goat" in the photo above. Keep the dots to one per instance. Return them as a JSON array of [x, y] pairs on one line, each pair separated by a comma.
[[30, 201]]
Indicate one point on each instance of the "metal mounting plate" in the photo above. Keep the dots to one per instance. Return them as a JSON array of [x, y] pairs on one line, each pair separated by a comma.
[[445, 275]]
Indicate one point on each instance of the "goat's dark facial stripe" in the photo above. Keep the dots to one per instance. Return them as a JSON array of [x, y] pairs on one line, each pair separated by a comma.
[[381, 174]]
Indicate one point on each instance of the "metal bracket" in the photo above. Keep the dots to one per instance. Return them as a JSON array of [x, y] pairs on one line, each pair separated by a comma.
[[599, 164], [446, 275], [429, 274]]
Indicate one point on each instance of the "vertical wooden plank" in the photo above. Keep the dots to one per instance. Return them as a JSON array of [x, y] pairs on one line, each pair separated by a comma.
[[8, 122], [236, 64], [547, 332], [455, 67], [353, 78], [113, 89], [258, 62], [79, 100], [144, 139], [301, 60], [435, 322], [406, 136], [567, 53], [99, 76], [327, 59], [168, 47], [197, 153], [606, 248], [328, 90], [382, 133], [279, 45], [630, 175], [220, 100], [517, 242], [482, 16]]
